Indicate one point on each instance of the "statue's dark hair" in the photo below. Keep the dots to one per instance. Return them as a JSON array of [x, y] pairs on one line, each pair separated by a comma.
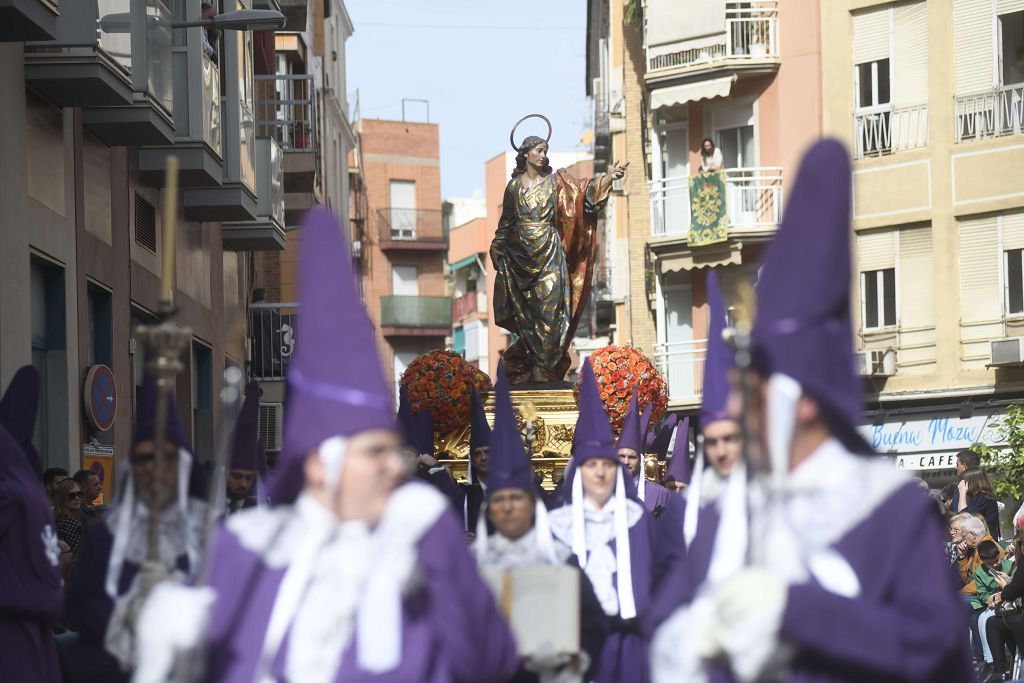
[[524, 147]]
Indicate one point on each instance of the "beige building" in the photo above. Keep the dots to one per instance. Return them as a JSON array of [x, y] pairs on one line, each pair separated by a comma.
[[663, 77], [929, 96]]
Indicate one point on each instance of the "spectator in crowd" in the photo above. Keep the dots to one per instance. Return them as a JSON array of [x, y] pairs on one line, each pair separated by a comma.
[[991, 577], [52, 477], [946, 496], [1006, 627], [975, 495], [974, 534], [710, 157], [965, 460], [91, 487], [210, 33], [957, 548], [67, 504]]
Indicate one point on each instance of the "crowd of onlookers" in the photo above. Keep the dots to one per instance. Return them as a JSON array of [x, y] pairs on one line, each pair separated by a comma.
[[991, 588], [73, 499]]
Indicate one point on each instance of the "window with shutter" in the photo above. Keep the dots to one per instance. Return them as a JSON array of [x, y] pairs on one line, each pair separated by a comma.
[[980, 297], [917, 342], [876, 250], [973, 41], [878, 298], [910, 54]]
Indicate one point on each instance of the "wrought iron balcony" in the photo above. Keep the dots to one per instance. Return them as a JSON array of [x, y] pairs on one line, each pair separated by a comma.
[[885, 129], [416, 315], [682, 365], [751, 35], [753, 202], [272, 338], [990, 114]]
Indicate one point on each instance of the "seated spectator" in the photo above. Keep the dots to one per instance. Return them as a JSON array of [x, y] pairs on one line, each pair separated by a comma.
[[91, 487], [990, 578], [66, 510], [956, 548], [976, 496], [1006, 627], [974, 534], [710, 157], [51, 478]]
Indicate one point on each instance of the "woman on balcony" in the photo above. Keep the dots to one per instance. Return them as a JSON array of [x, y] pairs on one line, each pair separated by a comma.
[[543, 252], [710, 157]]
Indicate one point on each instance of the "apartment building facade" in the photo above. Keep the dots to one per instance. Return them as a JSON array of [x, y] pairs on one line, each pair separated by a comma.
[[402, 241], [96, 97], [928, 96], [304, 106], [664, 77]]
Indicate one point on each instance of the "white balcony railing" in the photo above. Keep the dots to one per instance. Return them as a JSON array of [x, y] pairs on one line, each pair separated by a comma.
[[682, 365], [990, 114], [753, 201], [751, 33], [885, 129]]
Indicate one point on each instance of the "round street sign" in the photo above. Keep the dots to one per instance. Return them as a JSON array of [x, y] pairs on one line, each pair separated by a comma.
[[100, 397]]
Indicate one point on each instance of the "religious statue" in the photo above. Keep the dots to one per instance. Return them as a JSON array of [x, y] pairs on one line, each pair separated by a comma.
[[543, 254]]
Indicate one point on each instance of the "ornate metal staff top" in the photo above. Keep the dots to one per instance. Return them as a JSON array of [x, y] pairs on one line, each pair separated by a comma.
[[512, 134]]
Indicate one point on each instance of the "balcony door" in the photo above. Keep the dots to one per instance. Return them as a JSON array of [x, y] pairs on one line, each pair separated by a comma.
[[738, 153], [404, 281], [402, 198], [677, 173], [676, 336]]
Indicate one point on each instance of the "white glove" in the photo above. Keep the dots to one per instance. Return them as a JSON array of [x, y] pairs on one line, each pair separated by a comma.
[[748, 613], [428, 461], [547, 660], [173, 621]]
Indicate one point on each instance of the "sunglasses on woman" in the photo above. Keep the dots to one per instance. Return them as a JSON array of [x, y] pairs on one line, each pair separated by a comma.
[[75, 494]]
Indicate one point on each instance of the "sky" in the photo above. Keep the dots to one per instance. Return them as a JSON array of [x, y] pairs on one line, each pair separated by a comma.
[[481, 64]]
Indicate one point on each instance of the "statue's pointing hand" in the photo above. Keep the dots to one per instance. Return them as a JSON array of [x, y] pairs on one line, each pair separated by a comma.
[[619, 170]]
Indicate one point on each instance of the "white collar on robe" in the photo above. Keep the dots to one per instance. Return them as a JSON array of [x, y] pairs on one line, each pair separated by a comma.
[[355, 570], [504, 553]]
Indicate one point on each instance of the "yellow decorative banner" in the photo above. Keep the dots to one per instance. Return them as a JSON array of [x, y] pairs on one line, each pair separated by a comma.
[[709, 223]]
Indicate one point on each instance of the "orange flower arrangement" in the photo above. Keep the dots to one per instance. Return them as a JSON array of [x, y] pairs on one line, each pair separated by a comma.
[[441, 382], [621, 369]]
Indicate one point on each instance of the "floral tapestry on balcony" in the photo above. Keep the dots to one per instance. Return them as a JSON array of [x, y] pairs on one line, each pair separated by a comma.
[[708, 221]]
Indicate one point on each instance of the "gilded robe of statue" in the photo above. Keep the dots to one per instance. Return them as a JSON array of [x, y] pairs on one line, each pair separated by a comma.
[[545, 245]]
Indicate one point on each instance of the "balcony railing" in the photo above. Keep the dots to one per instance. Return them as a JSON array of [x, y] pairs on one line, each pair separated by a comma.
[[990, 114], [682, 365], [751, 33], [409, 225], [465, 306], [286, 111], [434, 312], [272, 334], [753, 201], [885, 129]]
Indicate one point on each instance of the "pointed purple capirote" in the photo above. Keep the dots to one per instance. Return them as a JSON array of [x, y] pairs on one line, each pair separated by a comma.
[[593, 437], [145, 416], [18, 409], [658, 444], [803, 327], [479, 431], [20, 404], [335, 380], [632, 434], [423, 432], [509, 465], [679, 463], [404, 422], [645, 424], [719, 359], [245, 436]]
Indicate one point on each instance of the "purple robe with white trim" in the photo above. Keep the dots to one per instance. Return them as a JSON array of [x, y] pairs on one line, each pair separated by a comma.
[[624, 657], [655, 495], [451, 627], [30, 582], [906, 626]]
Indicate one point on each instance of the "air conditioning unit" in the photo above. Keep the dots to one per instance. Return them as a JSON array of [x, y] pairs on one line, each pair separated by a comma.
[[271, 417], [1007, 352], [876, 363]]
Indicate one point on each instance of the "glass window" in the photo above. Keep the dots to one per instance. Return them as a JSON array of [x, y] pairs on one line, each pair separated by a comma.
[[1011, 35], [49, 356], [872, 84], [202, 402], [1015, 282], [878, 298]]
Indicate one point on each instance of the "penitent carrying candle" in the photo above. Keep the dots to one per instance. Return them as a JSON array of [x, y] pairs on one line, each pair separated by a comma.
[[170, 205]]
